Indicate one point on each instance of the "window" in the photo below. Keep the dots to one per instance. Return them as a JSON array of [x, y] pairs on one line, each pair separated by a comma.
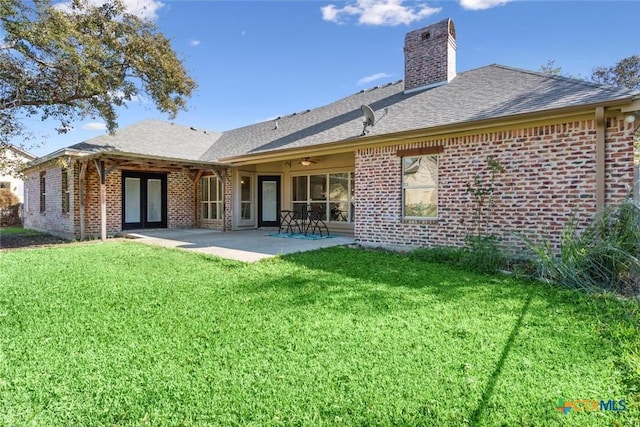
[[65, 191], [43, 192], [211, 197], [333, 194], [420, 186], [246, 195]]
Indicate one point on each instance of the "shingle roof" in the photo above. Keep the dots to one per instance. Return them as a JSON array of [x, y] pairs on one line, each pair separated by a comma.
[[154, 138], [488, 92], [493, 91]]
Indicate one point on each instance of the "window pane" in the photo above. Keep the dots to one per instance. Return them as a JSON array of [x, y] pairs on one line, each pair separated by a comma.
[[204, 191], [218, 208], [205, 210], [154, 200], [339, 186], [322, 207], [132, 200], [213, 187], [318, 187], [245, 195], [245, 188], [338, 212], [419, 171], [301, 209], [299, 188], [245, 210], [219, 185], [421, 202]]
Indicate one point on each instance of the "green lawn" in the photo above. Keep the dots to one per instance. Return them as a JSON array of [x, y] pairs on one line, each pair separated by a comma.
[[19, 231], [120, 333]]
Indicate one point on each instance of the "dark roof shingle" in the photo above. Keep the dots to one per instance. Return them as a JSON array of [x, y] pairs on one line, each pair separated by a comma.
[[488, 92]]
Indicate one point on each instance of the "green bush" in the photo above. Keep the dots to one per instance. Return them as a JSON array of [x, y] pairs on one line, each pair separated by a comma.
[[482, 254], [605, 256], [440, 255], [9, 208]]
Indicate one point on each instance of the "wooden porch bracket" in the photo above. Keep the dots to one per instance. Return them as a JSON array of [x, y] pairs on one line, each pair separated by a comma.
[[195, 177], [83, 169], [99, 164]]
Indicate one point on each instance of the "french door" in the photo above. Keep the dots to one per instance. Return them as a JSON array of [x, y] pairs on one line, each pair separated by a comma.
[[144, 200]]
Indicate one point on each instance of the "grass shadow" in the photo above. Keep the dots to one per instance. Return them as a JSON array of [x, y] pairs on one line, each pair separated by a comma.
[[488, 392]]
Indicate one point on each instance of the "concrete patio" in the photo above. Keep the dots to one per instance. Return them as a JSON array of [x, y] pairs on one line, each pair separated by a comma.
[[247, 245]]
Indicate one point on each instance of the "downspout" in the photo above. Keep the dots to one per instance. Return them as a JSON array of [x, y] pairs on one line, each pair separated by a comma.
[[600, 159]]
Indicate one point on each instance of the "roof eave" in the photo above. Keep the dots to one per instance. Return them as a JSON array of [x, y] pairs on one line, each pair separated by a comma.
[[138, 156], [458, 127], [86, 156], [63, 152]]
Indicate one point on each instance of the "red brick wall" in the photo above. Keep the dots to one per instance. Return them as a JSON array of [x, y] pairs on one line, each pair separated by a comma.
[[429, 55], [550, 174], [228, 199], [53, 219], [92, 219], [180, 202]]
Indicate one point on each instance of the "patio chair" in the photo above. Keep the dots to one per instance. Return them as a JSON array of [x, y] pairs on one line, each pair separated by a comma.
[[288, 222], [316, 222]]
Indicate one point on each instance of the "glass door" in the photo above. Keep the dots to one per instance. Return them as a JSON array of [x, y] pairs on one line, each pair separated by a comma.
[[144, 200], [246, 198], [268, 201]]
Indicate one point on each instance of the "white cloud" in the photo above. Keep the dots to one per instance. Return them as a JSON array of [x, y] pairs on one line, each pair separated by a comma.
[[481, 4], [373, 77], [94, 126], [144, 9], [194, 43], [379, 12]]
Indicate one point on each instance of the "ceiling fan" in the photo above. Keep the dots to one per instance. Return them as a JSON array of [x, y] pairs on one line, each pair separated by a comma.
[[306, 161]]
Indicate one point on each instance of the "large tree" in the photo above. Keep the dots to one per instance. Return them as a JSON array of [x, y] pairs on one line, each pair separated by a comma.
[[76, 60], [626, 73]]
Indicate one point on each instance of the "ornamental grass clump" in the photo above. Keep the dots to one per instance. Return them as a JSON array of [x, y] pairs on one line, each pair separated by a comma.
[[603, 257]]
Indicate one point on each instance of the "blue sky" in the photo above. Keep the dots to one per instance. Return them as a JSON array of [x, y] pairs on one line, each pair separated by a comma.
[[256, 60]]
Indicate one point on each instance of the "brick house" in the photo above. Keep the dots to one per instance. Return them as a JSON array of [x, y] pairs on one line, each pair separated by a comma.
[[566, 146]]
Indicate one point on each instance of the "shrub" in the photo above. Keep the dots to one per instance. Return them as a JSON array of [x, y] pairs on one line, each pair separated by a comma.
[[440, 255], [482, 254], [605, 256], [9, 208]]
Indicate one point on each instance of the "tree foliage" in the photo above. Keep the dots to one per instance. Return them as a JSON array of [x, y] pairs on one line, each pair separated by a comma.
[[626, 73], [78, 61]]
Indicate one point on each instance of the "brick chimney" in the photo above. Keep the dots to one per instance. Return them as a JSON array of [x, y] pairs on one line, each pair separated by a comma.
[[430, 56]]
